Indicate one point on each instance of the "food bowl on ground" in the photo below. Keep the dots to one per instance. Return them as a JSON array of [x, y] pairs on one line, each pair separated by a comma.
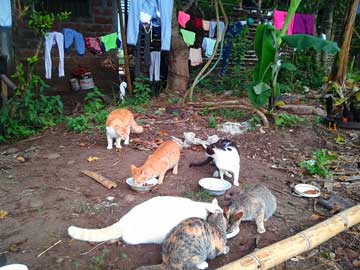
[[145, 187], [214, 186], [306, 190]]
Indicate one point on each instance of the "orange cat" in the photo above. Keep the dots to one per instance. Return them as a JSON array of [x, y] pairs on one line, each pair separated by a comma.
[[164, 158], [118, 125]]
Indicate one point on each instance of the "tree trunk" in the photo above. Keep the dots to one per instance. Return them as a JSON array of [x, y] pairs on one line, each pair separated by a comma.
[[178, 71], [338, 71]]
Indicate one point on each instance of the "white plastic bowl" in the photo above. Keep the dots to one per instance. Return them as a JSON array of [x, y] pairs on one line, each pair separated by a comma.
[[150, 183], [306, 190], [214, 186]]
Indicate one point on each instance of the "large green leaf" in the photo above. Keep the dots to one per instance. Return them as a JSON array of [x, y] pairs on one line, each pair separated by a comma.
[[265, 52], [303, 42], [261, 87], [258, 100], [294, 4]]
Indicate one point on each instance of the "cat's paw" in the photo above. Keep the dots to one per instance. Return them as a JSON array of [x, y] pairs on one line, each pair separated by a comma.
[[109, 147], [118, 147], [216, 174], [203, 265], [261, 230], [127, 142], [226, 250], [236, 184]]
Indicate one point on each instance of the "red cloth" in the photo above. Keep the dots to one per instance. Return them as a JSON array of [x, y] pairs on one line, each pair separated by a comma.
[[93, 45], [197, 23]]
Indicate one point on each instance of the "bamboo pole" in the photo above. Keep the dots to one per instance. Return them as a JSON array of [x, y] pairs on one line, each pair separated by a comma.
[[124, 45], [279, 252], [100, 179]]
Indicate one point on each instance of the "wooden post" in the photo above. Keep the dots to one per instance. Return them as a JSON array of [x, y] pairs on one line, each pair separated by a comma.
[[124, 45], [4, 94], [270, 256]]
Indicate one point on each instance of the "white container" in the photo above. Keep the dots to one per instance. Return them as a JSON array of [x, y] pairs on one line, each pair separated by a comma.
[[86, 82], [74, 83]]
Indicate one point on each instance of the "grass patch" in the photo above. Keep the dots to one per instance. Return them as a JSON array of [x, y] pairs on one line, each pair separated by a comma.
[[284, 120], [200, 195]]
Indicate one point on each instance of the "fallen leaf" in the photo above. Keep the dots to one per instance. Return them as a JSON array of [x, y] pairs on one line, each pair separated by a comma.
[[163, 133], [91, 159], [3, 214], [20, 158], [315, 217], [340, 139], [83, 144]]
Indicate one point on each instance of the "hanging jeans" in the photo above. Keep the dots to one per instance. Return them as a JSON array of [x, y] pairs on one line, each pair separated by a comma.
[[51, 39], [232, 33]]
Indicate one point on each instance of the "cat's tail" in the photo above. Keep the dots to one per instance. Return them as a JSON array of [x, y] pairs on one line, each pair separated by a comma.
[[109, 233], [151, 267], [135, 127]]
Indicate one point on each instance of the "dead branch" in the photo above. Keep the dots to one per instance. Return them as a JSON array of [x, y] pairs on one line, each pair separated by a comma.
[[243, 107], [100, 179]]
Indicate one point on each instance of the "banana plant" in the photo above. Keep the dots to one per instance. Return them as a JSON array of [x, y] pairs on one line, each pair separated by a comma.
[[268, 42]]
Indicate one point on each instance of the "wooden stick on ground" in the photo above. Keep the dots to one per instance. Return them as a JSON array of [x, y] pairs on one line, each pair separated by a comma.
[[281, 251], [100, 179]]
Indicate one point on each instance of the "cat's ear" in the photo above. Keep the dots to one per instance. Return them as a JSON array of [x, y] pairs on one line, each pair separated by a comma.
[[215, 202], [237, 216], [133, 168], [213, 207]]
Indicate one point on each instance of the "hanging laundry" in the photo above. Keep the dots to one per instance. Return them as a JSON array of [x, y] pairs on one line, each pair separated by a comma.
[[279, 19], [206, 25], [303, 24], [154, 72], [110, 42], [208, 45], [5, 14], [93, 45], [54, 38], [183, 18], [71, 36], [213, 30], [195, 56], [197, 22], [233, 30], [154, 8], [188, 36]]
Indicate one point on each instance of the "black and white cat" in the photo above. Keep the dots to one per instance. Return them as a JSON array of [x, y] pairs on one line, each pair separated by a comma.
[[226, 157]]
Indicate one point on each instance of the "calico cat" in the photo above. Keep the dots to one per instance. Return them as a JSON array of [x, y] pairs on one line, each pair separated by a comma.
[[118, 125], [148, 222], [192, 242], [226, 156], [165, 157], [257, 204]]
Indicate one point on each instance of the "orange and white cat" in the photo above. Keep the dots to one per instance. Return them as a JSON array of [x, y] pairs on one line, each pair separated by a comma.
[[165, 157], [118, 125]]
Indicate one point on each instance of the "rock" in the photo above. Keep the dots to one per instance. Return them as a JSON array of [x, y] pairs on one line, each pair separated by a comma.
[[35, 203], [12, 150], [59, 260], [110, 198], [129, 198], [53, 156], [71, 162]]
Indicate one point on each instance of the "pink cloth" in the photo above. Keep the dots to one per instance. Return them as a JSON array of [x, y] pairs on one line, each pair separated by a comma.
[[183, 18], [206, 25], [195, 56], [279, 19]]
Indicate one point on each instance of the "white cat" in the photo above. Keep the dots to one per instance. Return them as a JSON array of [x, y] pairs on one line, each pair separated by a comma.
[[226, 157], [148, 222]]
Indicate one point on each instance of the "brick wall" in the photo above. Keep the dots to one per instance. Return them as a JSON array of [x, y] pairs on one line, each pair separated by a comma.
[[102, 21]]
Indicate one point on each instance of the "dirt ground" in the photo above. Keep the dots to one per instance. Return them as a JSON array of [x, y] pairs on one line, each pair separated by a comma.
[[47, 193]]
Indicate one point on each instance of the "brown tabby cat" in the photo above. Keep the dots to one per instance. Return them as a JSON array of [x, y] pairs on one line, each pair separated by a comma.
[[118, 125], [165, 157], [257, 204], [192, 242]]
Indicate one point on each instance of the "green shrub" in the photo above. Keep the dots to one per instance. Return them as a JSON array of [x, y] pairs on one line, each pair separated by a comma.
[[78, 124], [319, 165], [30, 111], [212, 122], [286, 120]]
